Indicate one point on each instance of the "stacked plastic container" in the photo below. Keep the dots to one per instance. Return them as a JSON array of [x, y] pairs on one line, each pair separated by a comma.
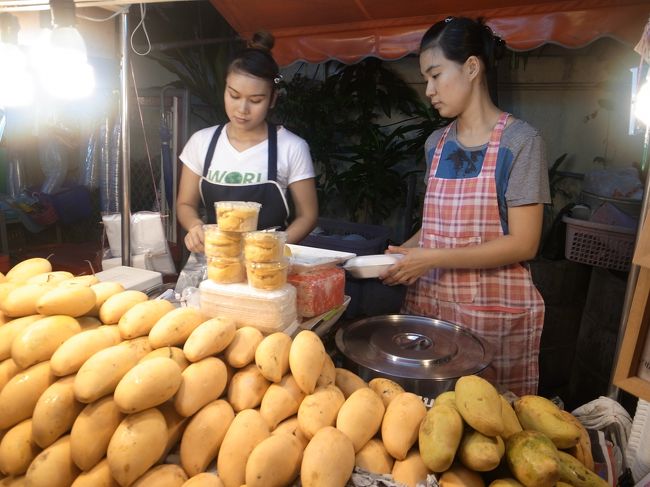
[[223, 241], [266, 265], [236, 252]]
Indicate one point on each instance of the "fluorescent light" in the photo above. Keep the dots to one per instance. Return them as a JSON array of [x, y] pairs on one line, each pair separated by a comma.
[[16, 84], [642, 103]]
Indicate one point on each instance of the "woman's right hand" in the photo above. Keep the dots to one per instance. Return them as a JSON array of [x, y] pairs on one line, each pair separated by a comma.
[[194, 239]]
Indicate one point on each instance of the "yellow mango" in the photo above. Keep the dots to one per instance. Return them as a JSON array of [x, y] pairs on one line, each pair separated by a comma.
[[439, 436], [540, 414], [479, 404], [533, 459]]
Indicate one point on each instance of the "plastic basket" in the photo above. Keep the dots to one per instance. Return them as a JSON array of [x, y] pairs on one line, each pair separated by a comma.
[[599, 245], [344, 236]]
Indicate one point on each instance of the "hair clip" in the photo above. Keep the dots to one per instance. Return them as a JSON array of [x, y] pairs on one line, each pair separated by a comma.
[[277, 79], [449, 19]]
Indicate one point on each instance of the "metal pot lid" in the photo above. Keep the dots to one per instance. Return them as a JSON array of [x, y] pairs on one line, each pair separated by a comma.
[[414, 347]]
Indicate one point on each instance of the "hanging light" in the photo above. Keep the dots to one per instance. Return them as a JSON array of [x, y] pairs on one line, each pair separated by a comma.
[[16, 85], [60, 55]]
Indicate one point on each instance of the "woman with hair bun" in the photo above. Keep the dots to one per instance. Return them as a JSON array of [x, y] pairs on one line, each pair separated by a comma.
[[482, 218], [247, 158]]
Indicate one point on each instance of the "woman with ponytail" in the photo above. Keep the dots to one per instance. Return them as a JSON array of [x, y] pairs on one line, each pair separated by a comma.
[[482, 218], [248, 158]]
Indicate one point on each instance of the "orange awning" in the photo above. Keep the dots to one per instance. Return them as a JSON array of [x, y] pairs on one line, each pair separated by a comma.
[[349, 30]]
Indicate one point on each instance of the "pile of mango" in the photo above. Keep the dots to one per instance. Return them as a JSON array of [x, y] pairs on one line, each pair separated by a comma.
[[473, 434], [98, 385]]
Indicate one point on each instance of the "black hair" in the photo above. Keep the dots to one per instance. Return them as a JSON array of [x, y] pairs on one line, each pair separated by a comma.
[[256, 59], [462, 37]]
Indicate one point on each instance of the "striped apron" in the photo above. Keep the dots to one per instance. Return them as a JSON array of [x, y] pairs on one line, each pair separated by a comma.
[[501, 304]]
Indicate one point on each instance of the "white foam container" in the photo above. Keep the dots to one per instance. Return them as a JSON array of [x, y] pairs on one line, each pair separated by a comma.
[[131, 277], [370, 266], [268, 311], [306, 259]]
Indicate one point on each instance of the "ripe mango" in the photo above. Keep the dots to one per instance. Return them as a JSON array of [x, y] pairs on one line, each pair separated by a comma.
[[539, 414]]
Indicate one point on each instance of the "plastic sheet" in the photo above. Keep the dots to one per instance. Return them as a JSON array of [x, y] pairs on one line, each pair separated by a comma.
[[623, 182], [194, 272], [53, 158], [89, 174], [109, 166], [147, 238]]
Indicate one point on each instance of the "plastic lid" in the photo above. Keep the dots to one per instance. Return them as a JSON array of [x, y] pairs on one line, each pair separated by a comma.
[[265, 235], [413, 347], [238, 205]]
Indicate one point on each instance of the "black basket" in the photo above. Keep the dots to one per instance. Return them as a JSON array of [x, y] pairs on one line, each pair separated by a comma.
[[345, 236]]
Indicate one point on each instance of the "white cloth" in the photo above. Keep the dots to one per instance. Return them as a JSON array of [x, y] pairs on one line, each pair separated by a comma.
[[637, 453], [249, 166], [605, 412]]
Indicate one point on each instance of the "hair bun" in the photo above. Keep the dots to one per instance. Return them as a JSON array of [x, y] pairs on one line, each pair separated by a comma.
[[262, 40]]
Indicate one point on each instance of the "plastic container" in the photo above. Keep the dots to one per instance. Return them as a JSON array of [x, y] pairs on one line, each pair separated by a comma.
[[318, 291], [345, 236], [268, 276], [221, 244], [264, 246], [268, 311], [599, 245], [226, 270], [237, 216]]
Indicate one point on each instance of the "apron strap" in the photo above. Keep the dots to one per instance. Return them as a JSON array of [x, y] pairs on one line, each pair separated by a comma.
[[273, 153], [211, 147]]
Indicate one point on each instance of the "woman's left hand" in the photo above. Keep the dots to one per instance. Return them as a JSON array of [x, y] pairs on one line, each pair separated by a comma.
[[414, 264]]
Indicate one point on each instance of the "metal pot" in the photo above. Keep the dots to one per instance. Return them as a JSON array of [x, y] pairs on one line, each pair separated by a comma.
[[424, 355]]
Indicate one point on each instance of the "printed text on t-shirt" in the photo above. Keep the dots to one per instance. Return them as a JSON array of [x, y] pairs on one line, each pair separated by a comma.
[[233, 177]]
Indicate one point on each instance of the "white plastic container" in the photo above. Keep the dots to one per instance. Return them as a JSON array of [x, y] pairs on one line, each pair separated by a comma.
[[268, 311]]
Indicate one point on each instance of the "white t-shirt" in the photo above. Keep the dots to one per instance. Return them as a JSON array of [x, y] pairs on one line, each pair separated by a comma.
[[229, 166]]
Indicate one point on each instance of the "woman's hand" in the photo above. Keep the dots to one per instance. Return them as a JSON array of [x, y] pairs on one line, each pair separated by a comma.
[[194, 239], [415, 263]]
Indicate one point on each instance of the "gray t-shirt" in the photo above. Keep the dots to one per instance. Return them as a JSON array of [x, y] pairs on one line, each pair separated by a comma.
[[521, 171]]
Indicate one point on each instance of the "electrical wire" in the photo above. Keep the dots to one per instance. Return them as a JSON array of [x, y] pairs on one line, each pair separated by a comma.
[[143, 14], [144, 136]]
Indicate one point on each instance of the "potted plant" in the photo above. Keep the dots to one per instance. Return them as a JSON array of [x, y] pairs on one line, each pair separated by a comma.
[[366, 129]]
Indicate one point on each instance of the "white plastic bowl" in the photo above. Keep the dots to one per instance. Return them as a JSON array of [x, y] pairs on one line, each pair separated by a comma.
[[370, 266]]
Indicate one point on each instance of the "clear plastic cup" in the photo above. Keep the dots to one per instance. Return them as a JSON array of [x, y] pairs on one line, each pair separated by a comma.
[[226, 270], [264, 246], [267, 275], [237, 216], [218, 243]]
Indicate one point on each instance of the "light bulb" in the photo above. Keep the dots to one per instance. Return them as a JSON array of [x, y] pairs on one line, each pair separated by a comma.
[[74, 82], [642, 103], [67, 41], [60, 58]]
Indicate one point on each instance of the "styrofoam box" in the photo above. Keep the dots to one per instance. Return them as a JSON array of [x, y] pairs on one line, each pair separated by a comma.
[[131, 277], [268, 311]]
